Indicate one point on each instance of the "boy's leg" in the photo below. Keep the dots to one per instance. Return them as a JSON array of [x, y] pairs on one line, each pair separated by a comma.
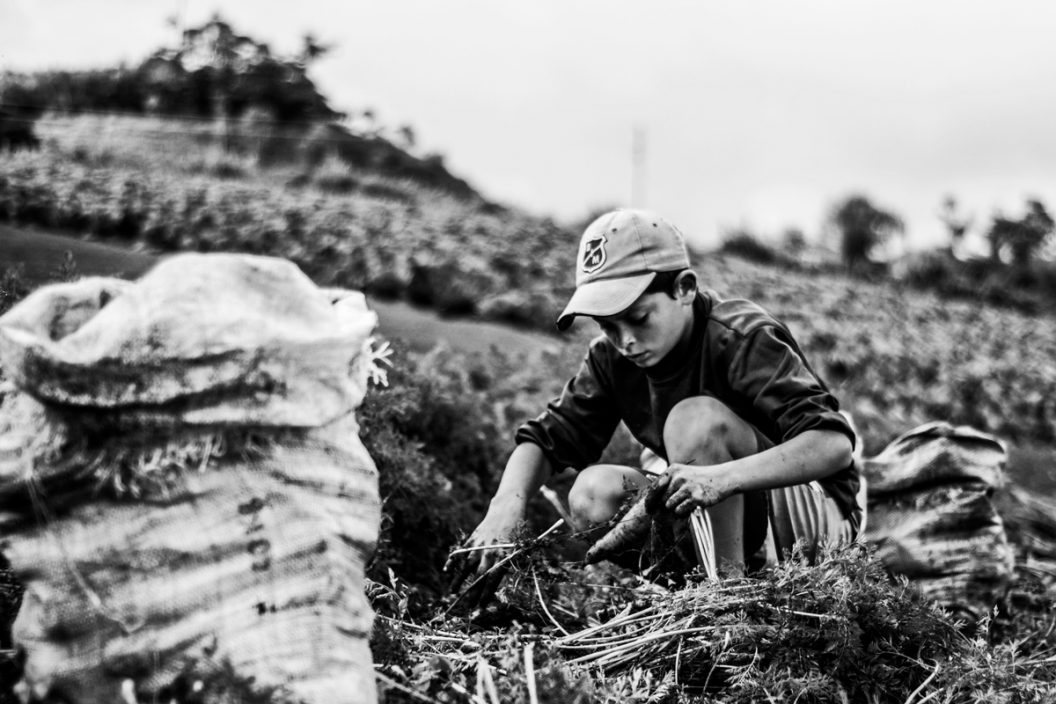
[[702, 430], [599, 491]]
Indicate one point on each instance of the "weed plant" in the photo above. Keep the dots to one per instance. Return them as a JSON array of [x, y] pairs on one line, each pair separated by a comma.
[[13, 288]]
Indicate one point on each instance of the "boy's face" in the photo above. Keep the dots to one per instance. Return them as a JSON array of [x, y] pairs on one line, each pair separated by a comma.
[[650, 328]]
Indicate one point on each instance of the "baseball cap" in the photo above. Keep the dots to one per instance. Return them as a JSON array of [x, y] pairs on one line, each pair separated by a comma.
[[620, 254]]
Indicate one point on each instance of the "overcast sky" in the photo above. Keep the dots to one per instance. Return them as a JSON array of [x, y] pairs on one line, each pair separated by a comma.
[[754, 113]]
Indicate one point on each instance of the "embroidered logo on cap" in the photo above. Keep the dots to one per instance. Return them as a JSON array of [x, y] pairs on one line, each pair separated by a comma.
[[594, 254]]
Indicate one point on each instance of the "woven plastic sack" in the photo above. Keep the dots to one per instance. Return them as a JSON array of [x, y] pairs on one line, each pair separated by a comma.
[[932, 517], [183, 490]]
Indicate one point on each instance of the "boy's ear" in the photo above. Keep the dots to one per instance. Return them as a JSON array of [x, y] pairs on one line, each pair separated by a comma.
[[685, 288]]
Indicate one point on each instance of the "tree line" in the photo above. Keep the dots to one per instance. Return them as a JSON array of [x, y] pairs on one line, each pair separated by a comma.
[[214, 72], [864, 226]]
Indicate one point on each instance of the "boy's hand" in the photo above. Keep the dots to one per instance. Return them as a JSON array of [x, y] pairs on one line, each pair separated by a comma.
[[684, 487], [486, 545], [482, 555]]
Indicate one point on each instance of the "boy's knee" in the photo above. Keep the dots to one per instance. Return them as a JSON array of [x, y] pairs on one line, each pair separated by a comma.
[[704, 430], [597, 494]]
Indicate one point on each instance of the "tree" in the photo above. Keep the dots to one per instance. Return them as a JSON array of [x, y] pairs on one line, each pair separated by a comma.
[[862, 227], [214, 71], [1021, 238], [224, 74]]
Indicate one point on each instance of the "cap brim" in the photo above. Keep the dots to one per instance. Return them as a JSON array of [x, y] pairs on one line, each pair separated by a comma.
[[605, 297]]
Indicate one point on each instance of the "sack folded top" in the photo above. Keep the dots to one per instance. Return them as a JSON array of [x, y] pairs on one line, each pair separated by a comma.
[[201, 339]]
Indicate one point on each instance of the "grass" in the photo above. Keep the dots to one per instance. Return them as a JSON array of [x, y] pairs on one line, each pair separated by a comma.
[[42, 256]]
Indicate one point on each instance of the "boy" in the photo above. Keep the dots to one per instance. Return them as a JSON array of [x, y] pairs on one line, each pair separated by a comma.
[[717, 388]]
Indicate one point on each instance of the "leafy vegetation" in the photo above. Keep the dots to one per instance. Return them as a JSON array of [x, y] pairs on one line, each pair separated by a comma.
[[1029, 288], [744, 244], [386, 236], [840, 631], [438, 430], [1022, 238], [895, 360], [857, 637]]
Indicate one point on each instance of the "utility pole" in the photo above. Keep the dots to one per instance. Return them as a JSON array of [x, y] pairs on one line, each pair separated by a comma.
[[638, 167]]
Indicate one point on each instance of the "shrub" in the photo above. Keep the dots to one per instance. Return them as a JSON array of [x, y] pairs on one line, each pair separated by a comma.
[[744, 244], [440, 434], [368, 241], [13, 287], [1022, 238], [446, 286], [535, 308], [1023, 288], [437, 454]]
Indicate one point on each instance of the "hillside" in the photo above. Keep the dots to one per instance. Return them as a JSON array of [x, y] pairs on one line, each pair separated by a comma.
[[895, 357], [166, 187]]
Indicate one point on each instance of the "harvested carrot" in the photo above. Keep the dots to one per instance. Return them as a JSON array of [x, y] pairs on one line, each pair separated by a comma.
[[630, 530]]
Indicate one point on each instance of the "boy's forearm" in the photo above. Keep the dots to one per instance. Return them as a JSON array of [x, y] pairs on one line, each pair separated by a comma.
[[526, 471], [813, 455]]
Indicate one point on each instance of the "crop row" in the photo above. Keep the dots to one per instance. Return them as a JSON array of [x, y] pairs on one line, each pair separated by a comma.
[[429, 248], [896, 358]]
